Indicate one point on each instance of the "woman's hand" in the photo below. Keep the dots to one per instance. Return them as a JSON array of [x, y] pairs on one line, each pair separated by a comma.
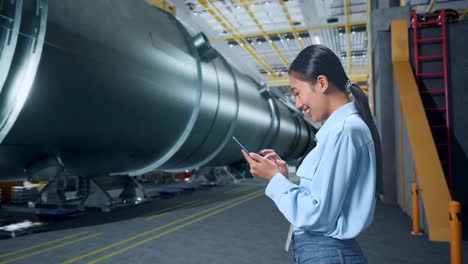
[[271, 155], [260, 166]]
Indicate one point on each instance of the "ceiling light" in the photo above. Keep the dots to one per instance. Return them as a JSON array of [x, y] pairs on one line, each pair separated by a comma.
[[317, 39], [354, 32]]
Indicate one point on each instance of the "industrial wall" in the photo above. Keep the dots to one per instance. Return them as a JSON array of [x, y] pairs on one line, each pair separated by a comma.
[[398, 161]]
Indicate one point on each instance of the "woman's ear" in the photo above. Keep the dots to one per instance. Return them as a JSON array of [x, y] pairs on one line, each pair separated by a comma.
[[322, 82]]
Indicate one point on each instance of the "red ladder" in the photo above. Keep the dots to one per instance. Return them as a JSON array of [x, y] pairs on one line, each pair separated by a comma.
[[443, 144]]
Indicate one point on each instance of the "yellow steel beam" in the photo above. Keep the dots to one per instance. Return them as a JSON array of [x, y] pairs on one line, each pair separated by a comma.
[[164, 5], [265, 35], [370, 58], [284, 80], [289, 31], [245, 44], [291, 23], [281, 81], [431, 6], [348, 34], [463, 13], [435, 193]]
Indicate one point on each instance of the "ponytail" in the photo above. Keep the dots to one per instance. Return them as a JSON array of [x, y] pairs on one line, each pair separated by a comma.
[[362, 105]]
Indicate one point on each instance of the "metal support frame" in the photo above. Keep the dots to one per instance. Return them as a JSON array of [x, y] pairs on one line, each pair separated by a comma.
[[291, 23], [101, 196], [218, 15], [265, 35], [302, 30]]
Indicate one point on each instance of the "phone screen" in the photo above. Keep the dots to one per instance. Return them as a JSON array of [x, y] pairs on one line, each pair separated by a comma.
[[242, 146]]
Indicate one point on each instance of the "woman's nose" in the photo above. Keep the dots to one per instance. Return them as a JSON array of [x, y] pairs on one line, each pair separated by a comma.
[[298, 104]]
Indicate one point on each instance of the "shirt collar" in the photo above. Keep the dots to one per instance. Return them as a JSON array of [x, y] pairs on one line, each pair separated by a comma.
[[338, 116]]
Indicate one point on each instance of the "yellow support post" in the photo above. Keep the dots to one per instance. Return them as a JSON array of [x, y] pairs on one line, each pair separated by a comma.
[[456, 252], [415, 199]]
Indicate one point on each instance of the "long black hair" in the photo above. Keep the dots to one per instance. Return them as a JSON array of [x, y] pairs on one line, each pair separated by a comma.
[[318, 60]]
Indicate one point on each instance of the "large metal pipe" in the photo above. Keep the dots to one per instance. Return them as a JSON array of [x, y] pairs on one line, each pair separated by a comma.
[[122, 88]]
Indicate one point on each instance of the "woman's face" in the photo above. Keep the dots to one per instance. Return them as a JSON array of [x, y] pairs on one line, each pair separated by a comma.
[[309, 98]]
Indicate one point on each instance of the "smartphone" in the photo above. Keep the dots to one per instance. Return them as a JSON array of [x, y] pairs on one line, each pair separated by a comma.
[[242, 146]]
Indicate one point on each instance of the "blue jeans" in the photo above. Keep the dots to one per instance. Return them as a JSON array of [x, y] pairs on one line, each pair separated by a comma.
[[317, 249]]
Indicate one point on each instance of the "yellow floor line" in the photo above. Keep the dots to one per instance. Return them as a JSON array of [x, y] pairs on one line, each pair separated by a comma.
[[248, 189], [171, 230], [193, 204], [50, 249], [42, 244], [237, 189], [157, 229], [170, 209]]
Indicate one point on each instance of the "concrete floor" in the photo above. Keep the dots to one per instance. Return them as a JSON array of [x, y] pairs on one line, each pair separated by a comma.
[[226, 224]]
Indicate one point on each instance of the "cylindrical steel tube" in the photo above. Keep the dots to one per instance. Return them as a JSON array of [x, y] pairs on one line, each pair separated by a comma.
[[132, 91]]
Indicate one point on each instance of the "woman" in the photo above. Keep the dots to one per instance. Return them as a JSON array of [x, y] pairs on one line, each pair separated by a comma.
[[335, 199]]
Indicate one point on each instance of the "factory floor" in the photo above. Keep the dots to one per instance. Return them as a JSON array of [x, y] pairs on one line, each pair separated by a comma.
[[234, 223]]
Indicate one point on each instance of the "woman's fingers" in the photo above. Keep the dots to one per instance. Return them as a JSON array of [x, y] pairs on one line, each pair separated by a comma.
[[247, 157], [256, 157], [266, 151], [272, 156]]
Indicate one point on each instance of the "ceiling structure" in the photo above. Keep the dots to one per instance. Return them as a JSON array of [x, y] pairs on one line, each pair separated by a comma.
[[266, 35], [270, 34]]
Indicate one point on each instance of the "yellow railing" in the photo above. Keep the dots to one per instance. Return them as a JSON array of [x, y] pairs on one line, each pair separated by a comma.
[[434, 190]]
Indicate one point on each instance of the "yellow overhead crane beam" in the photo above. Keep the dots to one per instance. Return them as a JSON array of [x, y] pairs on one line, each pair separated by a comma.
[[284, 80], [348, 35], [289, 31], [245, 44], [431, 6], [463, 13], [265, 35], [291, 23], [163, 5]]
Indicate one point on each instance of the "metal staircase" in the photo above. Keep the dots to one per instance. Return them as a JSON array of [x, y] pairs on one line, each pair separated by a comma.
[[431, 71]]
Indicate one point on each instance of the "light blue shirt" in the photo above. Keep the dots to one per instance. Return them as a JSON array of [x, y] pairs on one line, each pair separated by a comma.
[[336, 194]]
